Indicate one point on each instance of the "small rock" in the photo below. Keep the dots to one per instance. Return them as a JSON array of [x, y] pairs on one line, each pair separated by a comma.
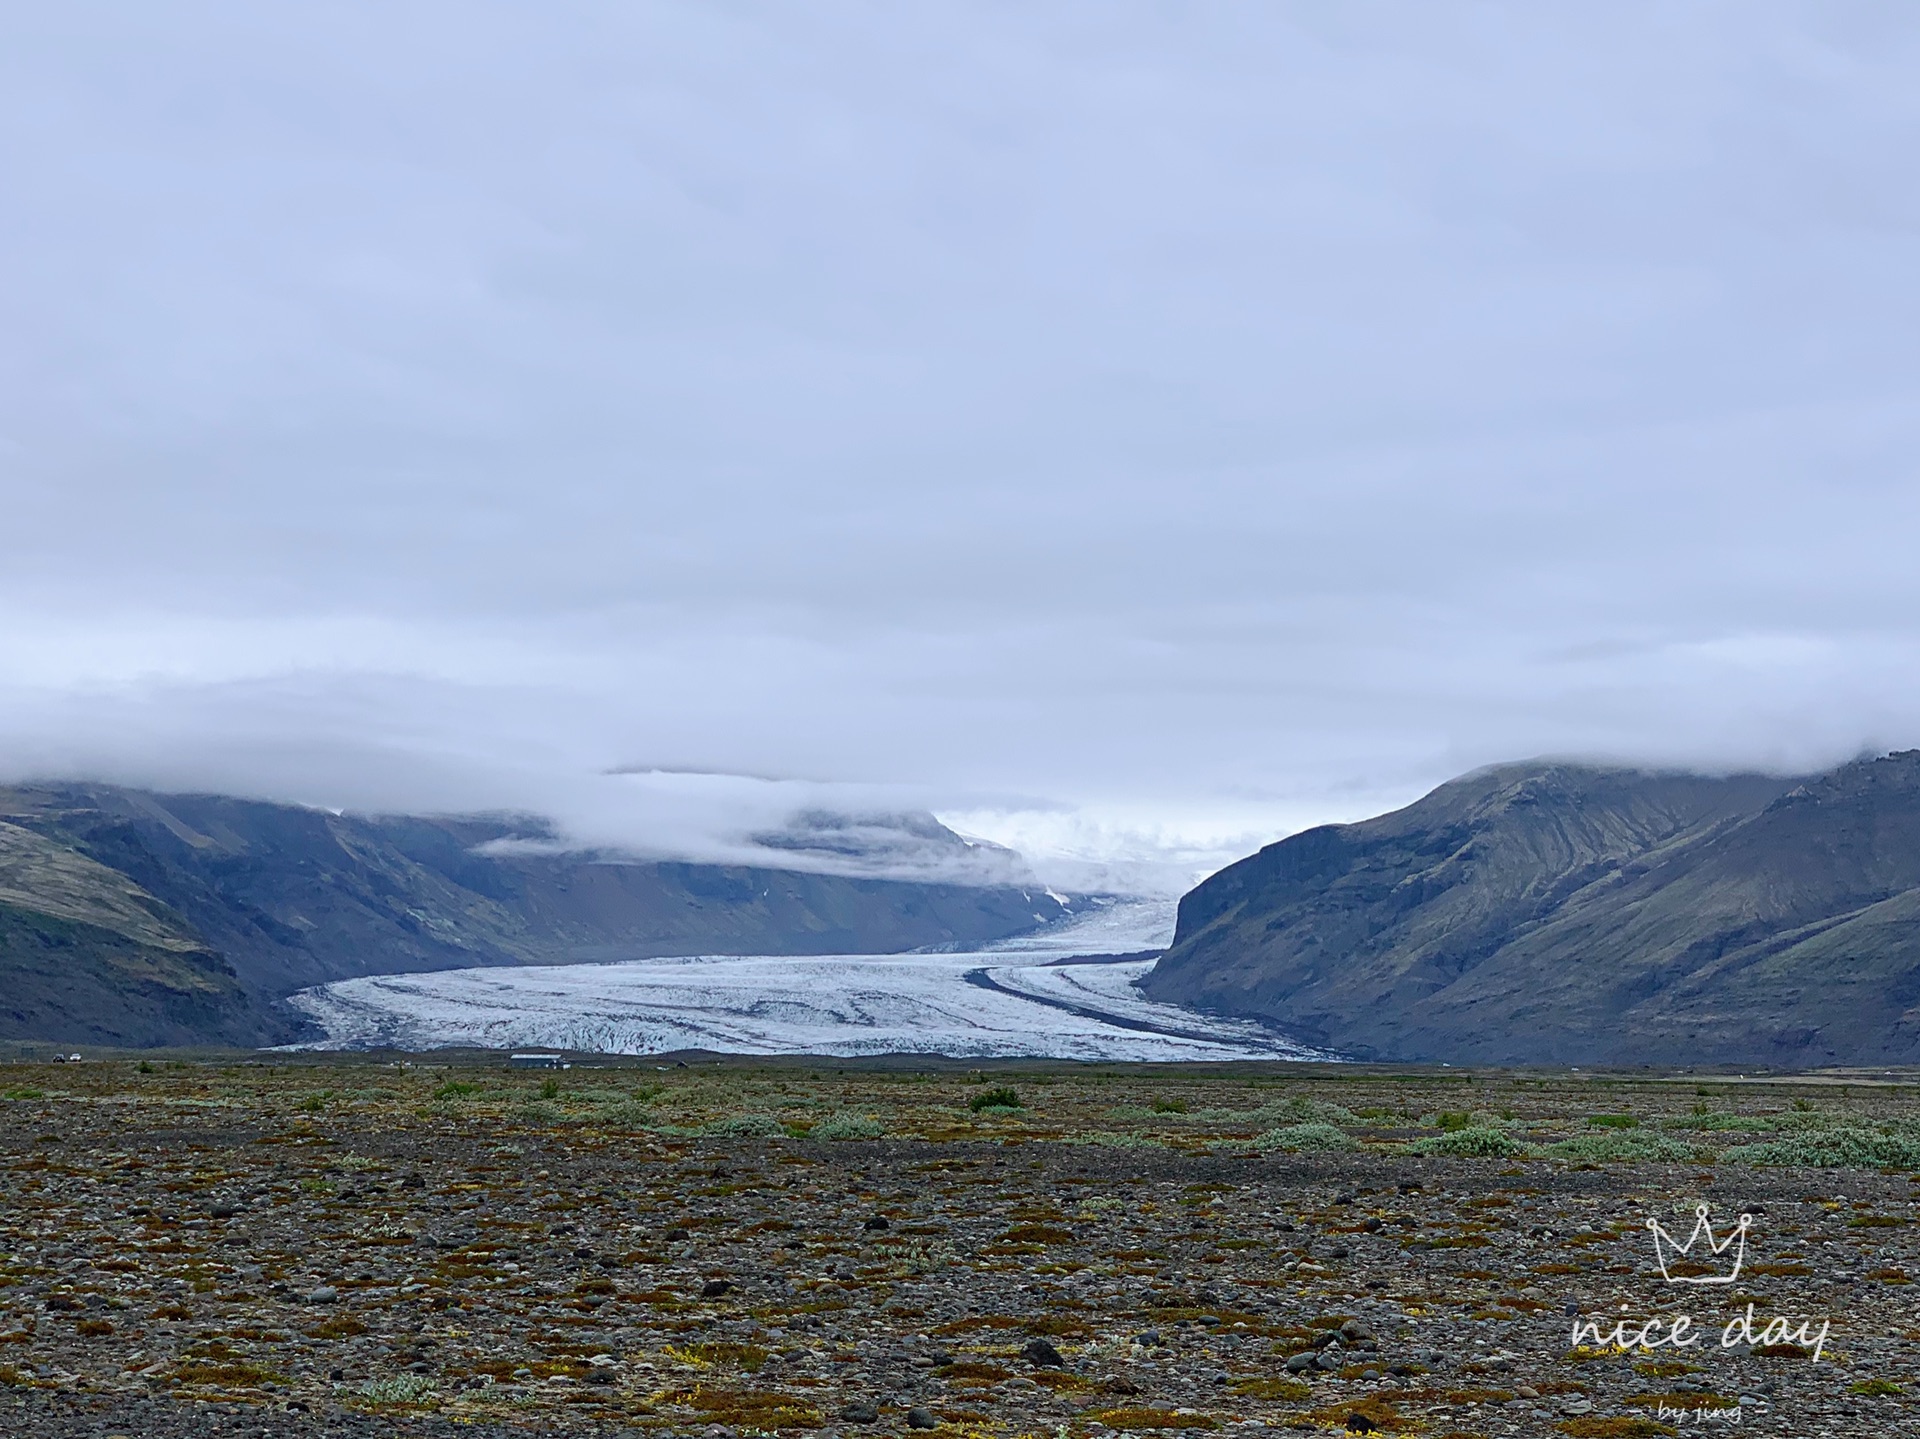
[[860, 1411], [1041, 1353], [921, 1417], [325, 1294]]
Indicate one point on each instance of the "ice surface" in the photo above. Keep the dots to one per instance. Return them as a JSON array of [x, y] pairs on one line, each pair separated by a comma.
[[1017, 999], [1116, 926]]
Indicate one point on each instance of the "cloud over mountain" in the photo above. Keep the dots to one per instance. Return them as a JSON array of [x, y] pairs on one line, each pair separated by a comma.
[[1195, 425]]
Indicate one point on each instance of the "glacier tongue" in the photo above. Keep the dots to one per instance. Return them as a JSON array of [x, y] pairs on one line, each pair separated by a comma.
[[1016, 1000]]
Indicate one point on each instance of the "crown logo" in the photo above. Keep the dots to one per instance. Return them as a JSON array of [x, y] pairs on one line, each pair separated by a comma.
[[1680, 1265]]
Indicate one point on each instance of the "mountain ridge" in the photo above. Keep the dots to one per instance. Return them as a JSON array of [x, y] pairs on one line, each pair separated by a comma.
[[1559, 912], [207, 910]]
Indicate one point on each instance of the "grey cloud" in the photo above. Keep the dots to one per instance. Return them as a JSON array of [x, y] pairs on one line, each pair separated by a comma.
[[1205, 420]]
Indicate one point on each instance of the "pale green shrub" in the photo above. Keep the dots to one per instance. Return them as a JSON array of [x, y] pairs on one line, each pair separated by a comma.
[[1832, 1149], [845, 1124], [1310, 1138], [400, 1389], [1475, 1142], [1623, 1144]]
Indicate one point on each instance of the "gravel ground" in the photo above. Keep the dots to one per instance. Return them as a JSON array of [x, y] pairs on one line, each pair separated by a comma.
[[375, 1250]]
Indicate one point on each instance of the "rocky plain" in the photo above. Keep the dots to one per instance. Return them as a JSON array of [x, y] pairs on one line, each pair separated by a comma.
[[370, 1245]]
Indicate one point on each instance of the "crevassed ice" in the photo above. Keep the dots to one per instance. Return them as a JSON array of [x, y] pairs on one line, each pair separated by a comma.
[[1018, 999]]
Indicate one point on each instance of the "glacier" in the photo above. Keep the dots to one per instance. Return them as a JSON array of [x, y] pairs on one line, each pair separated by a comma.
[[1039, 995]]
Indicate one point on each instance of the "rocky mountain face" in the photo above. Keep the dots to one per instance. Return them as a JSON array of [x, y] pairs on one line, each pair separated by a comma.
[[1559, 913], [132, 918]]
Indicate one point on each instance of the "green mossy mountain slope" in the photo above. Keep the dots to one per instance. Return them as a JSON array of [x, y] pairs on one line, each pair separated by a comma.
[[1561, 913]]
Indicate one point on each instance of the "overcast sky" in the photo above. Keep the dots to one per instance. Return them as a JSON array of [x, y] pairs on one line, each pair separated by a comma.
[[1134, 431]]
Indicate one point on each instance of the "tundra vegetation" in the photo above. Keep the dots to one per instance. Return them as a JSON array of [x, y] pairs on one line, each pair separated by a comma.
[[354, 1245]]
